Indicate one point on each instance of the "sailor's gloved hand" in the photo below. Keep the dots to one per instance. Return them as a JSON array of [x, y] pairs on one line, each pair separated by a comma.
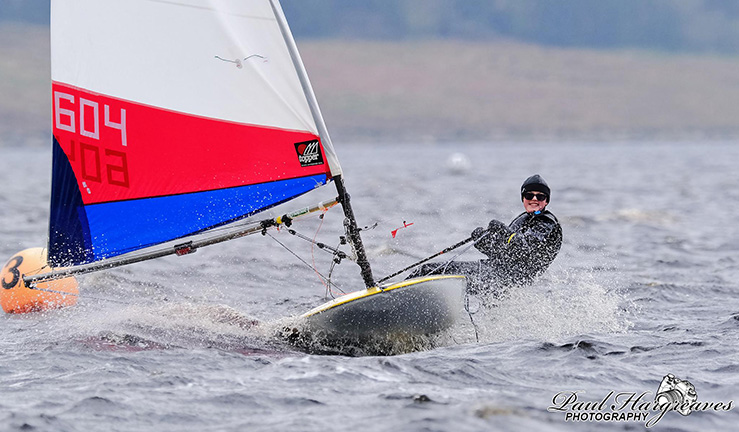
[[496, 226], [478, 232]]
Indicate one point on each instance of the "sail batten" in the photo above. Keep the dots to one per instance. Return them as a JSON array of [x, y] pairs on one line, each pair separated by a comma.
[[171, 118]]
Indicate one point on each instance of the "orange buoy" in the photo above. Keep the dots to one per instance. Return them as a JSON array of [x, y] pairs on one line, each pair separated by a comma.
[[16, 297]]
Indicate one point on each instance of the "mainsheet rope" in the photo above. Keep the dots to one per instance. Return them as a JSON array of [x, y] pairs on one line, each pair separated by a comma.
[[338, 255], [323, 278], [466, 294]]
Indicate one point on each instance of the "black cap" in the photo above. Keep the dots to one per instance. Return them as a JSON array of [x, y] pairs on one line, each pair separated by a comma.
[[536, 183]]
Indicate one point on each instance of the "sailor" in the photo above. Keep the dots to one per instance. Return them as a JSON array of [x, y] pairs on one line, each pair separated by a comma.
[[517, 253]]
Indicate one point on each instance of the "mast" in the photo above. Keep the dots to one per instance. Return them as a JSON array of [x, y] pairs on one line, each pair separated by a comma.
[[350, 223]]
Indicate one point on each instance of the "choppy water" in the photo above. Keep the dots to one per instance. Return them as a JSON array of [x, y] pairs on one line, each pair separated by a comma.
[[645, 285]]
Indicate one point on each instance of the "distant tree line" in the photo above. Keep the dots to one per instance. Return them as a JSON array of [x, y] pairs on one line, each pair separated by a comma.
[[672, 25], [32, 11]]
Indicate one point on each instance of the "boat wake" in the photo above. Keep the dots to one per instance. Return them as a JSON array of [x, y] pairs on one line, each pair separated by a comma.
[[565, 302], [560, 305], [211, 326], [177, 326]]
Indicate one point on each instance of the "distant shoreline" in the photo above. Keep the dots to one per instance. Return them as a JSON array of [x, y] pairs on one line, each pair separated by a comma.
[[451, 90]]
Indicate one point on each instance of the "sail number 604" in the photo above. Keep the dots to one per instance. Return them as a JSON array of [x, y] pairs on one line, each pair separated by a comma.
[[89, 111], [82, 118]]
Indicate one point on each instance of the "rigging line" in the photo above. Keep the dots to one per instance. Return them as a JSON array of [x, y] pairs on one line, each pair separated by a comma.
[[330, 271], [322, 246], [322, 216], [449, 249], [301, 259], [312, 247], [38, 270], [467, 309], [336, 260], [446, 263]]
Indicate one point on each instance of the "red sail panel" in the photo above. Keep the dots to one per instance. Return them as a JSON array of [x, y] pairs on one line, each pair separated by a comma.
[[122, 150]]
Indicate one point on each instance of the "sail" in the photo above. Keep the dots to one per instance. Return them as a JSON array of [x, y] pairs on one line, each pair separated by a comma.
[[173, 117]]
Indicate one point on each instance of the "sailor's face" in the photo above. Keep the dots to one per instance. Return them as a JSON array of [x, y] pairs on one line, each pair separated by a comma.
[[535, 201]]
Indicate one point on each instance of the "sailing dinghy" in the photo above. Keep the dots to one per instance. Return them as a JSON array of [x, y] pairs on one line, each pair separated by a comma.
[[173, 121]]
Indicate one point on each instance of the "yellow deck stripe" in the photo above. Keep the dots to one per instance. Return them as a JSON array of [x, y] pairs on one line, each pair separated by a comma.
[[356, 295]]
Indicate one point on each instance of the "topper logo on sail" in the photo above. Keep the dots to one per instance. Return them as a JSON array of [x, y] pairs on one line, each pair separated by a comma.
[[309, 153]]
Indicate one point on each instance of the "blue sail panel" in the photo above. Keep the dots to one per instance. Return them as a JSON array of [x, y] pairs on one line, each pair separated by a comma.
[[116, 228]]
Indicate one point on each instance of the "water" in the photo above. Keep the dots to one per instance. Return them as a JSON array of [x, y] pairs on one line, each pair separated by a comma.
[[645, 285]]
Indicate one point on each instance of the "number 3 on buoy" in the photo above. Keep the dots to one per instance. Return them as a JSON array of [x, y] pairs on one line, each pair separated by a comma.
[[16, 297], [12, 268]]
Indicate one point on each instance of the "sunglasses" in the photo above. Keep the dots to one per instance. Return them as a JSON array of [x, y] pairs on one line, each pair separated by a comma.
[[538, 196]]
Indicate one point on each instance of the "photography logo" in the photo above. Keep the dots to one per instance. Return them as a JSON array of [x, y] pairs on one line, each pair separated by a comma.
[[673, 394], [309, 153], [677, 393]]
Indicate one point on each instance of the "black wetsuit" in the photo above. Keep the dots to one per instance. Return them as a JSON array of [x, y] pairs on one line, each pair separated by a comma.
[[517, 253]]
